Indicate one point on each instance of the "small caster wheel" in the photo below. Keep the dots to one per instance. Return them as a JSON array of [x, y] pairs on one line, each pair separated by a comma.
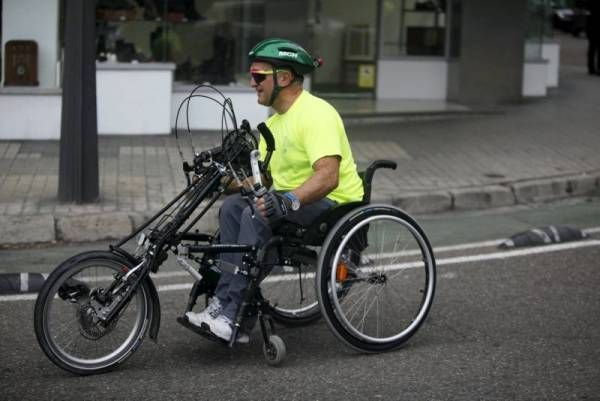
[[274, 351]]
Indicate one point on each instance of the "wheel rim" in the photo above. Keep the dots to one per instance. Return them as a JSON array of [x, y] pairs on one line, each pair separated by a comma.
[[388, 279], [74, 338]]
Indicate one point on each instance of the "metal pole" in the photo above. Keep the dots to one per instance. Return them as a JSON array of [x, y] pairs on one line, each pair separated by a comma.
[[78, 165]]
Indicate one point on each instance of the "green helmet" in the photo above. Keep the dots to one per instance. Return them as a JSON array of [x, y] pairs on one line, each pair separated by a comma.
[[284, 53]]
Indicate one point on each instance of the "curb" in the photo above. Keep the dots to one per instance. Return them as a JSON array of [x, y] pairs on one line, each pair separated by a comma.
[[384, 117], [495, 196], [27, 229]]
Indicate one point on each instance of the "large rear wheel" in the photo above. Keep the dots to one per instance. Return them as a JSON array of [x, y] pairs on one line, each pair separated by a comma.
[[384, 264]]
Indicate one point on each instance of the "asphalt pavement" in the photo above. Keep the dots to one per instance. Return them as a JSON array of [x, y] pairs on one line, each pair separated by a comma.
[[519, 327], [517, 324]]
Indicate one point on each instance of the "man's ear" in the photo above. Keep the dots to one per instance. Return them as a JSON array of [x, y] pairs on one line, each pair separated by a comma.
[[285, 77]]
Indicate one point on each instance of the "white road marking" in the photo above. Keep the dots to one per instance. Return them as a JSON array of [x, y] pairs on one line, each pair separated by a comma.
[[439, 249], [439, 262], [519, 252], [174, 287], [592, 230], [18, 297], [472, 245], [24, 282]]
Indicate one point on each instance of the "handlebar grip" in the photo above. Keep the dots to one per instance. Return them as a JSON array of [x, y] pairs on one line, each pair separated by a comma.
[[266, 133]]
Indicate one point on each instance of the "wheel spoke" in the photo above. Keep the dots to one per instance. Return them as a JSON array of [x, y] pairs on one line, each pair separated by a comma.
[[362, 299], [292, 297], [72, 333]]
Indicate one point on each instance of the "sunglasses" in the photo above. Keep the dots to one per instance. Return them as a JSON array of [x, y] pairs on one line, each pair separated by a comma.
[[261, 75]]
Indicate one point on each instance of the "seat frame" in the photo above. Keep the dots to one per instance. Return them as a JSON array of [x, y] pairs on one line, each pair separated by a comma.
[[315, 233]]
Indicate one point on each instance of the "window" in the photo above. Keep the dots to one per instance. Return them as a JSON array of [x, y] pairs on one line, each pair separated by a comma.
[[413, 27], [343, 33], [538, 27], [207, 40]]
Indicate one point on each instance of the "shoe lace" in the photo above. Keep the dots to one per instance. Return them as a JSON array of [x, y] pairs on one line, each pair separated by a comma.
[[214, 308]]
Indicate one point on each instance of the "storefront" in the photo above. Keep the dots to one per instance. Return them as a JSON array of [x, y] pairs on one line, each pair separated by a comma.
[[151, 53]]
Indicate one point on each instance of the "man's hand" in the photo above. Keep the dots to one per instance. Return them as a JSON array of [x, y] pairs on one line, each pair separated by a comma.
[[273, 206]]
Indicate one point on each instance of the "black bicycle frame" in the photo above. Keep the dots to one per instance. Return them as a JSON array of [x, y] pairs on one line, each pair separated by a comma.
[[169, 236]]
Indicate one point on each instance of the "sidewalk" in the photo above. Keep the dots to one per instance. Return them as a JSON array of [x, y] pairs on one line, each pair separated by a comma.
[[450, 160]]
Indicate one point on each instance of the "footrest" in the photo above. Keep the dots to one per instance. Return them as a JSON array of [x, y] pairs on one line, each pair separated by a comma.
[[204, 331]]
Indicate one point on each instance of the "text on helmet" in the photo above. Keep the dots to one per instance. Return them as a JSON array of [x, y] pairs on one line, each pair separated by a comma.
[[288, 54]]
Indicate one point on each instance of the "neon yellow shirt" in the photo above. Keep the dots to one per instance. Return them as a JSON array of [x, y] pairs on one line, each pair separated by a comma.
[[309, 130]]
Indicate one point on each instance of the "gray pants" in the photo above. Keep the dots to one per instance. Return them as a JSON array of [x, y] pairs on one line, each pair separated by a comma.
[[238, 226]]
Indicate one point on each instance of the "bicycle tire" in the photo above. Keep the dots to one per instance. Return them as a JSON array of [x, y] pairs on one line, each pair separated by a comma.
[[51, 309], [395, 275]]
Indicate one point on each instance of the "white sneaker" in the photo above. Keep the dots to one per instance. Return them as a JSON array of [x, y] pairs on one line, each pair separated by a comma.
[[209, 313], [222, 327]]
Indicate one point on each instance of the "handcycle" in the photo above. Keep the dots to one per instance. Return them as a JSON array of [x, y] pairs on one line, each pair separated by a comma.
[[368, 269]]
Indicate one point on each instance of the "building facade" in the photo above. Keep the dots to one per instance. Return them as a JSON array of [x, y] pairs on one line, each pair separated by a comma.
[[151, 53]]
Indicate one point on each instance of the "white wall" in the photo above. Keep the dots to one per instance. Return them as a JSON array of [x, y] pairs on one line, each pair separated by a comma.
[[412, 79], [535, 78], [551, 53], [34, 20], [31, 113], [134, 101], [30, 116]]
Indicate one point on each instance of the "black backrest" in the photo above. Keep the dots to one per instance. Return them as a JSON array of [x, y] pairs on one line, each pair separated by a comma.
[[367, 175]]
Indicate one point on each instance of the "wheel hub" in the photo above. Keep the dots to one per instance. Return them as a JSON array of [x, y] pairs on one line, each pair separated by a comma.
[[378, 279], [89, 323]]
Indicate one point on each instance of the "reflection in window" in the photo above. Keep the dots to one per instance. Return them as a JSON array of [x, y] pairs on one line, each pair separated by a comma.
[[207, 40], [343, 32], [413, 27], [538, 27]]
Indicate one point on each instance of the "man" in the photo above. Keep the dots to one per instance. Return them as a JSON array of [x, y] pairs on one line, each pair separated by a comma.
[[312, 169], [593, 34]]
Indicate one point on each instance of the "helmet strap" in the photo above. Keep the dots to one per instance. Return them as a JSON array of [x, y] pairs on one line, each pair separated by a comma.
[[276, 88]]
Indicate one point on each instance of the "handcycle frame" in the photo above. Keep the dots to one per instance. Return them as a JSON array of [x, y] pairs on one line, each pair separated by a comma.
[[208, 185], [172, 230], [254, 257]]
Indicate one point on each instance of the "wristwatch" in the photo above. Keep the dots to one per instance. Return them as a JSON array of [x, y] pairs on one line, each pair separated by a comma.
[[294, 199]]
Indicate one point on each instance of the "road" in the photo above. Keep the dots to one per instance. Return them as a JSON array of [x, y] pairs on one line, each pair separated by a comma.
[[518, 325]]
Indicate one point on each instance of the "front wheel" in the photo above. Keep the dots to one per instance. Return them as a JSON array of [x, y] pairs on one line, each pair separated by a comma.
[[274, 350], [384, 265], [66, 316]]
